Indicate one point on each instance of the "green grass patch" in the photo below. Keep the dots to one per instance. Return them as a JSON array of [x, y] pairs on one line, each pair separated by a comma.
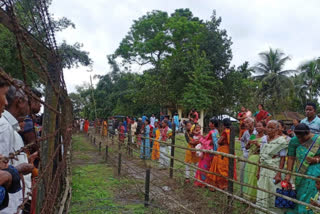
[[80, 144]]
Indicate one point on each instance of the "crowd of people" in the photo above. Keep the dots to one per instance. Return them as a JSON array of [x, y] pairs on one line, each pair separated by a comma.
[[19, 126], [262, 141]]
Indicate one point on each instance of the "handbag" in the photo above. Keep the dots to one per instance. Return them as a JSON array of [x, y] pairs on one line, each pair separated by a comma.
[[280, 202]]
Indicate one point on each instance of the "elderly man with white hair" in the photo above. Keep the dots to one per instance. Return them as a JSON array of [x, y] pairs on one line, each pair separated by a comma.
[[11, 141]]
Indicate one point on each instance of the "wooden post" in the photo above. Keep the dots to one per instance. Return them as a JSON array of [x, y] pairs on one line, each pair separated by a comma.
[[173, 140], [107, 148], [147, 188], [100, 147], [231, 165], [119, 164]]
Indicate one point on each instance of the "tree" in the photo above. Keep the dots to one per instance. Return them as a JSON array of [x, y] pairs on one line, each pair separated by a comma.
[[309, 78], [275, 85]]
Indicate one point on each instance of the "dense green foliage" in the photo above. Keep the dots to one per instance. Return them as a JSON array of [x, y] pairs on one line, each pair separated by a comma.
[[28, 15], [186, 62]]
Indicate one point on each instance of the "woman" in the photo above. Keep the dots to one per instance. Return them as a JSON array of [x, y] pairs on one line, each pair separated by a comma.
[[156, 146], [220, 164], [105, 128], [262, 115], [145, 147], [86, 126], [190, 156], [251, 169], [308, 163], [208, 143], [272, 154]]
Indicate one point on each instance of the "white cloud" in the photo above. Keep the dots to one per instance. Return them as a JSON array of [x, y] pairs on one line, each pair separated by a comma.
[[254, 25]]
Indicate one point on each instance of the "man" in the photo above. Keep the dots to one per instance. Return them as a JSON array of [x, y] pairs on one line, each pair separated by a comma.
[[165, 150], [134, 126], [11, 141], [144, 117], [241, 116], [152, 120], [312, 120], [249, 125]]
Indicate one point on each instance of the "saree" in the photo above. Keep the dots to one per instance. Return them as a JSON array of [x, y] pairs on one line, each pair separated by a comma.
[[261, 115], [105, 128], [156, 146], [190, 156], [306, 188], [269, 156], [145, 147], [86, 126], [250, 171], [220, 165], [207, 143]]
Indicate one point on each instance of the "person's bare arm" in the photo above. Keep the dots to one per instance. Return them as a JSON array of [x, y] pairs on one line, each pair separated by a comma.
[[5, 179], [221, 139], [290, 165], [278, 178], [24, 168]]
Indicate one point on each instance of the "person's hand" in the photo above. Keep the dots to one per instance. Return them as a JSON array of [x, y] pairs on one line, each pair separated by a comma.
[[314, 203], [32, 157], [4, 162], [277, 178], [312, 160], [288, 178]]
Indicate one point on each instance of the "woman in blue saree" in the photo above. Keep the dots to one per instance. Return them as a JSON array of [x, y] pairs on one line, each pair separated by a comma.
[[304, 150]]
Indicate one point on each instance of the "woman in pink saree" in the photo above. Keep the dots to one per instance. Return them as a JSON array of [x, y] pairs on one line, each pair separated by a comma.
[[210, 142]]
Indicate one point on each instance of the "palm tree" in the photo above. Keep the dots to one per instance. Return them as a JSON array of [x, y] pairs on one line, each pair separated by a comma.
[[275, 83], [310, 75]]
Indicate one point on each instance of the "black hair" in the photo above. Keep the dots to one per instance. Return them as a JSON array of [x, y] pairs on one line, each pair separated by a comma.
[[165, 121], [302, 129], [261, 105], [186, 122], [148, 121], [215, 122], [281, 123], [226, 122], [311, 104], [3, 82]]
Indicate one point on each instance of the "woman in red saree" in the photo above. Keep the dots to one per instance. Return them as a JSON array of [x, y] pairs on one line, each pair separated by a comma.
[[262, 115], [86, 125], [220, 164]]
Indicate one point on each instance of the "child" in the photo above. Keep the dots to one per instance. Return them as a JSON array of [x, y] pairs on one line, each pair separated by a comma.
[[196, 133]]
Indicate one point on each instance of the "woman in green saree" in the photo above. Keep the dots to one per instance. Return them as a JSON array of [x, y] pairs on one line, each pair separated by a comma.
[[304, 150]]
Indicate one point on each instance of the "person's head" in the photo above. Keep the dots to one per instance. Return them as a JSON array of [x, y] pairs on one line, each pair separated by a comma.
[[176, 113], [272, 128], [296, 122], [164, 123], [214, 123], [147, 122], [4, 87], [18, 104], [226, 123], [302, 132], [260, 127], [156, 124], [243, 109], [152, 115], [249, 123], [260, 107], [188, 125], [197, 128], [311, 110], [35, 104]]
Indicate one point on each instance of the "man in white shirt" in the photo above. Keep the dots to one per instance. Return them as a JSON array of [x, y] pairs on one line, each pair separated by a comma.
[[152, 120], [11, 141]]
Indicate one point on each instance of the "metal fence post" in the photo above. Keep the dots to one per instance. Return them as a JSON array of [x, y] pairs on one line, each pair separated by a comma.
[[173, 140], [147, 188], [231, 165]]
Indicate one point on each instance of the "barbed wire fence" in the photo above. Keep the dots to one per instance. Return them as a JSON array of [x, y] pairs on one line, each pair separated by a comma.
[[125, 156], [38, 53]]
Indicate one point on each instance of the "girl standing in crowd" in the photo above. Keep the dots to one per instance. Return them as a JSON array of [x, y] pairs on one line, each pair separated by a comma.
[[210, 142], [156, 146], [190, 156], [220, 164], [262, 115], [251, 169], [145, 147]]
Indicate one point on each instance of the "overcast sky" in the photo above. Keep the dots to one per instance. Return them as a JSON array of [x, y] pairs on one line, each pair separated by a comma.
[[254, 25]]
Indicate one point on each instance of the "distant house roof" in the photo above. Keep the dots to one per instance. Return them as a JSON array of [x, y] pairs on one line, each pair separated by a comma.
[[288, 115]]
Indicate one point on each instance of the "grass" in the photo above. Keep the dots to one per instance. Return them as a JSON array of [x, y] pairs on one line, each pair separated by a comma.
[[95, 188]]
